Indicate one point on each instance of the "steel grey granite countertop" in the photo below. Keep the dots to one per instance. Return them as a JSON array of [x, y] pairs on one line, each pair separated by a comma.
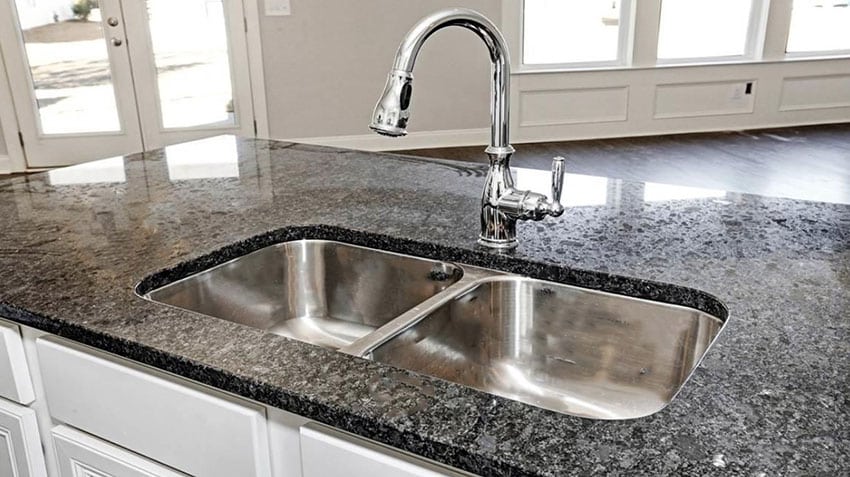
[[770, 398]]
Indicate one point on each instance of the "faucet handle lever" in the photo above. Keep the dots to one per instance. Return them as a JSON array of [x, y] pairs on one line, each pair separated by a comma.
[[555, 207], [557, 178]]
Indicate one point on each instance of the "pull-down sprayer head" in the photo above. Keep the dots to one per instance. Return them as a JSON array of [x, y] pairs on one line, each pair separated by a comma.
[[393, 109]]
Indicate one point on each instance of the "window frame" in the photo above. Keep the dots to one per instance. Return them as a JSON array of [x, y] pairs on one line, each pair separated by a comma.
[[624, 44], [812, 54], [753, 46]]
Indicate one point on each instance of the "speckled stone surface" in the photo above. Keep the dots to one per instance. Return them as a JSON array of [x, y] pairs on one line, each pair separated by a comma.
[[770, 398]]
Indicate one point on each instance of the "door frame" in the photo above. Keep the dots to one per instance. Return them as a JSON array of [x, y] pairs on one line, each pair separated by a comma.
[[10, 122], [253, 37], [56, 148], [148, 99], [16, 161]]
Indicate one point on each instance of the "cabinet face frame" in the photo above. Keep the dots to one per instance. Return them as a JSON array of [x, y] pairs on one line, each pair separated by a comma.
[[15, 382]]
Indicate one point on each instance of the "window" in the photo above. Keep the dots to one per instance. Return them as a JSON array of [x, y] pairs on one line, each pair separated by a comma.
[[561, 34], [578, 31], [704, 28], [819, 26]]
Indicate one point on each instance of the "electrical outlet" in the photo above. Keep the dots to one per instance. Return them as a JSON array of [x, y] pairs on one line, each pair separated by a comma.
[[278, 8]]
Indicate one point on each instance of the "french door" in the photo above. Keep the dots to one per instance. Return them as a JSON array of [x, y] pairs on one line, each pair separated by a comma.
[[100, 78]]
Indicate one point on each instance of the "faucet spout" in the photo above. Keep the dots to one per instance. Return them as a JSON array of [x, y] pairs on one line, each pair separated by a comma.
[[392, 111], [502, 205]]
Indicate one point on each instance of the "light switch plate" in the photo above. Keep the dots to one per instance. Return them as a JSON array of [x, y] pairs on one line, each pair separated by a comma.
[[278, 8]]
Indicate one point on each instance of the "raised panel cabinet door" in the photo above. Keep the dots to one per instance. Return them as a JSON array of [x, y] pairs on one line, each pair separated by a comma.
[[81, 455], [20, 446], [15, 382], [326, 452]]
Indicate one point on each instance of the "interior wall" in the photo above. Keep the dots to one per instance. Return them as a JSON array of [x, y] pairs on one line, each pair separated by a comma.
[[3, 150], [325, 66]]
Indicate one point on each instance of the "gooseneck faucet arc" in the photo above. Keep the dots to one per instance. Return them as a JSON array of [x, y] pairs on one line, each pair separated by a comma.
[[502, 205]]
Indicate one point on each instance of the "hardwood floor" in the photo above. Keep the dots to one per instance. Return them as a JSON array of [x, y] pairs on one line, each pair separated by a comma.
[[808, 163]]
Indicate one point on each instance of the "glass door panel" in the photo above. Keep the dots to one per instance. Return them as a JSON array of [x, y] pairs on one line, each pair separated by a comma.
[[70, 79], [190, 63], [69, 70], [193, 70]]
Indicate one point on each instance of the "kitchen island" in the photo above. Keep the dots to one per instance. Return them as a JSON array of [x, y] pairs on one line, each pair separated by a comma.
[[771, 396]]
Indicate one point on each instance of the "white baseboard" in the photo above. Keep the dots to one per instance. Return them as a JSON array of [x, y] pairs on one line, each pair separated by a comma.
[[414, 140], [5, 164]]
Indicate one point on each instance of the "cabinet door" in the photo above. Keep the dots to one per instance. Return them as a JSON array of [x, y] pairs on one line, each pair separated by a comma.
[[81, 455], [326, 452], [20, 447]]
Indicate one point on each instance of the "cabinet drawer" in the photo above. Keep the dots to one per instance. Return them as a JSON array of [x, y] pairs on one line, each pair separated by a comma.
[[326, 452], [183, 425], [81, 455], [15, 382]]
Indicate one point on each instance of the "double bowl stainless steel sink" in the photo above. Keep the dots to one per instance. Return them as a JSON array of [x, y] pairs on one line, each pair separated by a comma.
[[560, 347]]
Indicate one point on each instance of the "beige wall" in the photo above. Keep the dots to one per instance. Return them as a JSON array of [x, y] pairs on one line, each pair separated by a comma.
[[3, 149], [325, 66]]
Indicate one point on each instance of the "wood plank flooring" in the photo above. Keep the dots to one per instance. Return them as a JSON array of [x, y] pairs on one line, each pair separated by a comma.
[[808, 163]]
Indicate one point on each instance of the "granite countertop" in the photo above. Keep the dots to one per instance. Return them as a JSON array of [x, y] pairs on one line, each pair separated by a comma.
[[771, 396]]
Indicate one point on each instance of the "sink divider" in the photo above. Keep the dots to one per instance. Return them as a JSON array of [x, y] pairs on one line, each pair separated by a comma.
[[472, 277]]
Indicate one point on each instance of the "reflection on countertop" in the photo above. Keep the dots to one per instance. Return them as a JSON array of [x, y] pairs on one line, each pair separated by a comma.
[[214, 158], [583, 190], [218, 158]]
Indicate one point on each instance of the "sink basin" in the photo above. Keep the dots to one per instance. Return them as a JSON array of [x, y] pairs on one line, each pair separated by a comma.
[[563, 348], [560, 347], [322, 292]]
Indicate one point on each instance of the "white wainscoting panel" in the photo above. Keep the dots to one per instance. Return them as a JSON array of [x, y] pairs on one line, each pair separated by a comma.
[[688, 100], [573, 106], [815, 92]]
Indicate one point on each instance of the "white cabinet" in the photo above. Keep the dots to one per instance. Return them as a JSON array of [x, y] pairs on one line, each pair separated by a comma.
[[81, 455], [326, 452], [194, 429], [99, 415], [15, 383], [20, 446]]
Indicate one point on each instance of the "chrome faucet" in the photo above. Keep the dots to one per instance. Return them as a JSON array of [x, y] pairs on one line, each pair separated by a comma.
[[502, 205]]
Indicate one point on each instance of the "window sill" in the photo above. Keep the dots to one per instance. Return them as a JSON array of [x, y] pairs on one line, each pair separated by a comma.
[[789, 58]]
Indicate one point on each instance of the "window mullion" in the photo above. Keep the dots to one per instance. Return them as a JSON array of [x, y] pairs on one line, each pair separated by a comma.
[[645, 36], [757, 29], [778, 26]]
